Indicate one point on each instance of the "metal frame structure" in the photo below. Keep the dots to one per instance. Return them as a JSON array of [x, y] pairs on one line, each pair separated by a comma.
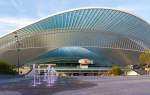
[[83, 27]]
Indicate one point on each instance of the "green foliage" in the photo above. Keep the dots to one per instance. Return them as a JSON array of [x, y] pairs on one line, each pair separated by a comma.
[[116, 71], [144, 57], [7, 69]]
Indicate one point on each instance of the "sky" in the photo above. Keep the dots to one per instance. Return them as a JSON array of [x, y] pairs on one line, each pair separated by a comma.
[[15, 14]]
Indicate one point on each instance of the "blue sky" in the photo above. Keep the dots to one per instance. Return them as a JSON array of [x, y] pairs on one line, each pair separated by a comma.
[[18, 13]]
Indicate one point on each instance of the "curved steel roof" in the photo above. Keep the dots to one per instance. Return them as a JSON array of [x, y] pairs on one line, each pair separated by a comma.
[[126, 30]]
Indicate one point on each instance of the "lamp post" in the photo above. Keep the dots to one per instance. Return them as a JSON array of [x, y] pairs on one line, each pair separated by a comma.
[[18, 50]]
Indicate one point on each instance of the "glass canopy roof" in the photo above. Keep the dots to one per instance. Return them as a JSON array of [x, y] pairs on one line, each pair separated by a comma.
[[102, 27]]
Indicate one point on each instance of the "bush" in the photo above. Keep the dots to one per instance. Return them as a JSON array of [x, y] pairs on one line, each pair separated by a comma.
[[7, 69], [116, 71]]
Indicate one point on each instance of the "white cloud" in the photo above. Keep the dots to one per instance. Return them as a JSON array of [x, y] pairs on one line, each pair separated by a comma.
[[8, 24], [16, 21]]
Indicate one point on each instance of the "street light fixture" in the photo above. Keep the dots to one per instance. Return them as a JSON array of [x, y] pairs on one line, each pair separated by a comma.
[[18, 50]]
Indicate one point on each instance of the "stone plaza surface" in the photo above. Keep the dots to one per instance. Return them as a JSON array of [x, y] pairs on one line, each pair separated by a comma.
[[82, 85], [124, 85], [25, 87]]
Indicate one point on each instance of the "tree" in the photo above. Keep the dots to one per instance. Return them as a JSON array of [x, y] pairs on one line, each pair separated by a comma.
[[6, 68], [144, 57], [116, 71]]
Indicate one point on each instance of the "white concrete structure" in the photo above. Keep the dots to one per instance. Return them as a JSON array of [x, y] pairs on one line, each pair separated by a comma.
[[132, 72]]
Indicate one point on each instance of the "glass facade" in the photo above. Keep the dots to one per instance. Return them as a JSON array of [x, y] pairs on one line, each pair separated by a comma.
[[87, 27]]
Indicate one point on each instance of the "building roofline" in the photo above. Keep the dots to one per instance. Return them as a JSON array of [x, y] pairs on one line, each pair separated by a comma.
[[74, 9]]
